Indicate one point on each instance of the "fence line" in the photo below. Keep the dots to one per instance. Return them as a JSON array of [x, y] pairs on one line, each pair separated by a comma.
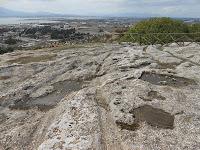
[[182, 39]]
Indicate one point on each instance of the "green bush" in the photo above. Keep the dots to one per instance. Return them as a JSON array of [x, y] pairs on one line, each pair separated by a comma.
[[194, 28], [11, 41], [152, 31], [6, 50]]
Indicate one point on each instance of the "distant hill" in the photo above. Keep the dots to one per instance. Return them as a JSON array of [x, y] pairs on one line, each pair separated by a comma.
[[11, 13], [4, 12]]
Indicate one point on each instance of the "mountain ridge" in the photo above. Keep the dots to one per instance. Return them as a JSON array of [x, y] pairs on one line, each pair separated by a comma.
[[4, 12]]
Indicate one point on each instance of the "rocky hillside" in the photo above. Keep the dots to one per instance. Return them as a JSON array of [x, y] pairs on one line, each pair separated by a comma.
[[101, 97]]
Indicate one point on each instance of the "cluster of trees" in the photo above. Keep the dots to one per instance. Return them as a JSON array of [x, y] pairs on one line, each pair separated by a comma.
[[3, 30], [161, 31], [6, 50], [62, 34], [11, 41], [34, 30], [68, 35]]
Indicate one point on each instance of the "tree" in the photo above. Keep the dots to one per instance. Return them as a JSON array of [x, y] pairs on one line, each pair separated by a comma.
[[11, 41], [152, 29], [6, 50]]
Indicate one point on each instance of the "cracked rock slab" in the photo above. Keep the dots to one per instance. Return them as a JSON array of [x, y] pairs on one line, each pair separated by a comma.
[[102, 97]]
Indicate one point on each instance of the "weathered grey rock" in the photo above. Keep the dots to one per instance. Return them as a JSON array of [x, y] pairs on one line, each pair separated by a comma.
[[42, 91], [106, 96]]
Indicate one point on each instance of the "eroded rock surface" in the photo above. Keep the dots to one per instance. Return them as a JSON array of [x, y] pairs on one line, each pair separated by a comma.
[[108, 96]]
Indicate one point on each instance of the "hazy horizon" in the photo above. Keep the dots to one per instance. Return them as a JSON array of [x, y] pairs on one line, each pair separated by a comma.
[[168, 8]]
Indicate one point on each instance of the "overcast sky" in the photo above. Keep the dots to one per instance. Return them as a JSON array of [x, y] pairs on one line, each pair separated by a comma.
[[175, 8]]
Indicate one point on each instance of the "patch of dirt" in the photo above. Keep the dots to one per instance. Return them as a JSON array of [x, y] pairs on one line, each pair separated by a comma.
[[166, 80], [4, 77], [154, 117], [167, 65], [31, 59], [126, 126], [153, 95], [49, 101]]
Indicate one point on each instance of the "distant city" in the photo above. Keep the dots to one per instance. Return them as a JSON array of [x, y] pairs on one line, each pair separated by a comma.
[[19, 30], [28, 33]]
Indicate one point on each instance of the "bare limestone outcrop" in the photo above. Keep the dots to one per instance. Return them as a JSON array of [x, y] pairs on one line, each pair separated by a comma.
[[101, 97]]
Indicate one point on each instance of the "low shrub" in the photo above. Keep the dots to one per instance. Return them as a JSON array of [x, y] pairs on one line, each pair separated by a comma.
[[11, 41], [159, 31], [6, 50]]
